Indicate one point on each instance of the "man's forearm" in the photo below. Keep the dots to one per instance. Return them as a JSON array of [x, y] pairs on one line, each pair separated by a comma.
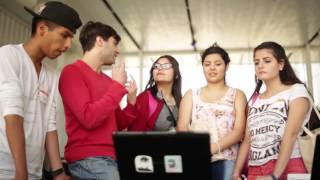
[[16, 141], [52, 148]]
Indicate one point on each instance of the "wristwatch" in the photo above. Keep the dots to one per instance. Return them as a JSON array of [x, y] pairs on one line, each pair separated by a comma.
[[57, 172]]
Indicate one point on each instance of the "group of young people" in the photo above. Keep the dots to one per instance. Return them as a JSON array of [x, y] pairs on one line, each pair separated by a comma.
[[260, 134]]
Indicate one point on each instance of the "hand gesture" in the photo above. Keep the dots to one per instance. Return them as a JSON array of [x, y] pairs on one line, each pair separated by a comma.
[[119, 74], [132, 91], [237, 176]]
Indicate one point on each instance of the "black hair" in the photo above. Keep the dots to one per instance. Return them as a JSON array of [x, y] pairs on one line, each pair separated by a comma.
[[176, 87], [91, 30], [287, 75], [215, 49]]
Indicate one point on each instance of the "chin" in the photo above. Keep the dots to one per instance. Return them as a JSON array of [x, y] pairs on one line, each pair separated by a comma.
[[53, 57], [162, 81], [108, 63], [263, 78], [211, 80]]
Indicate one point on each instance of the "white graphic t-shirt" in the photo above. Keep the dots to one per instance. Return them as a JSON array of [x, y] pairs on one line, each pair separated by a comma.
[[267, 121]]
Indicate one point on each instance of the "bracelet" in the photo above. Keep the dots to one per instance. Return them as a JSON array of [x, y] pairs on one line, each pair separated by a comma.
[[57, 172], [273, 177]]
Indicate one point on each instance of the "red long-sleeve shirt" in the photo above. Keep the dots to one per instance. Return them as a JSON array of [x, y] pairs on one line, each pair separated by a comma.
[[146, 115], [91, 104]]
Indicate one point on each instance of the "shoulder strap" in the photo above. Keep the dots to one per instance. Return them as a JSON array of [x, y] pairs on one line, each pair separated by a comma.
[[171, 114], [316, 112], [230, 95], [195, 100], [254, 97], [315, 108]]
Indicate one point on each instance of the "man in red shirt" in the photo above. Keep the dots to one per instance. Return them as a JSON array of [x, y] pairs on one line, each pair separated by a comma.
[[91, 102]]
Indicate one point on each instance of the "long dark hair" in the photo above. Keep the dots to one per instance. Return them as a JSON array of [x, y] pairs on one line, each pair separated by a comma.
[[176, 87], [287, 75]]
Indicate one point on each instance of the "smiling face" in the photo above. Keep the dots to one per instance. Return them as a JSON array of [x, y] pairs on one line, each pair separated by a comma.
[[214, 68], [267, 67], [163, 71]]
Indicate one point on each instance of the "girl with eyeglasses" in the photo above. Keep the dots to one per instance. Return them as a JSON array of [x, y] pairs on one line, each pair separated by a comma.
[[217, 109], [156, 108]]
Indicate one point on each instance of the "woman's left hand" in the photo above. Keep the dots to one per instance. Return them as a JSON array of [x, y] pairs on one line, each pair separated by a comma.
[[132, 91]]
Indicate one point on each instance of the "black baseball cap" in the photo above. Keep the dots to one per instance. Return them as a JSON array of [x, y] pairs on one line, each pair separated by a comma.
[[58, 13]]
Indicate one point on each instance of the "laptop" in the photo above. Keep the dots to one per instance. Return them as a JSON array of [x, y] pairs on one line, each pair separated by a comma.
[[162, 155], [315, 172]]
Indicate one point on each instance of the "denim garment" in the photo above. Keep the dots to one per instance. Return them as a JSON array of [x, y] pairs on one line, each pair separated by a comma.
[[95, 168], [222, 170]]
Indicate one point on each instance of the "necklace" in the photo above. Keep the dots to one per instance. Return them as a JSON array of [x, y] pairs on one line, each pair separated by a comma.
[[169, 100]]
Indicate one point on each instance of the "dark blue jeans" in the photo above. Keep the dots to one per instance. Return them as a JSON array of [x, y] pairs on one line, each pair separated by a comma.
[[95, 168], [222, 170]]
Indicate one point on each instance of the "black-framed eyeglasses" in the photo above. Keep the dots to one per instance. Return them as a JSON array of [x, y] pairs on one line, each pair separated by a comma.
[[164, 66]]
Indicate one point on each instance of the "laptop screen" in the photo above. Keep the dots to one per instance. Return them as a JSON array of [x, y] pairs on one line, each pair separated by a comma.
[[159, 155]]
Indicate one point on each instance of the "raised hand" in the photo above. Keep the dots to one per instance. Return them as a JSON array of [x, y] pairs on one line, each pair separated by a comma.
[[119, 74], [132, 91]]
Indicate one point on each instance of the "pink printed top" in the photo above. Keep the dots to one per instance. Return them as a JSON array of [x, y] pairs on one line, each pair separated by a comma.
[[216, 118]]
